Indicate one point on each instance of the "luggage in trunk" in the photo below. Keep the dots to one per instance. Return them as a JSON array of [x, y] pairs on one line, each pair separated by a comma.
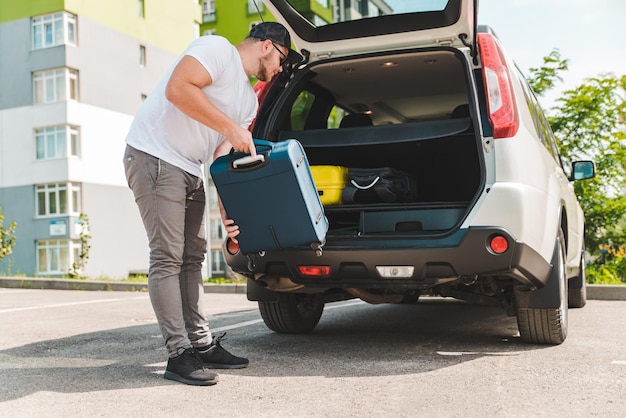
[[274, 201], [330, 181], [379, 185]]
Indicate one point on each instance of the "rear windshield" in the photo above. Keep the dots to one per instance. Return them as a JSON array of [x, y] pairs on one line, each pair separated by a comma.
[[331, 20], [407, 87], [322, 12]]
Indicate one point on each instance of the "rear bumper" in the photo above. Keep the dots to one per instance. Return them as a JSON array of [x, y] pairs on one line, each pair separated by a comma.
[[353, 260]]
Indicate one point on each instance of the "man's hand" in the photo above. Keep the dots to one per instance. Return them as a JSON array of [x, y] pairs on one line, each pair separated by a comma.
[[232, 230], [241, 140]]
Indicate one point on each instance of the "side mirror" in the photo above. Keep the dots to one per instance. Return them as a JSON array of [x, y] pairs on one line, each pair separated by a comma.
[[582, 170]]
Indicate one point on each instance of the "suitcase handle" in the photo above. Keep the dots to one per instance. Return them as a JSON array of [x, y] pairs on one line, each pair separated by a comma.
[[249, 160], [257, 143], [358, 186]]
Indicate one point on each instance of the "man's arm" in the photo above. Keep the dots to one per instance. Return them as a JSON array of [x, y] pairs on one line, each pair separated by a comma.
[[184, 90]]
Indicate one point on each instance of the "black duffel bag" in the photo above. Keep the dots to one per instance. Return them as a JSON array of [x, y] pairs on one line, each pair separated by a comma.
[[379, 185]]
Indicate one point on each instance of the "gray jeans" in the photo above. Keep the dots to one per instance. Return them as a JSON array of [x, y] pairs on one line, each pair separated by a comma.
[[172, 202]]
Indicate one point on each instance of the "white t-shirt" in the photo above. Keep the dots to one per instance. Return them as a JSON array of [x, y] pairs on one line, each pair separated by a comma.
[[161, 130]]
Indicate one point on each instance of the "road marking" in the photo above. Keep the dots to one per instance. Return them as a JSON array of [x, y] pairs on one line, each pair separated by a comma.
[[258, 321], [61, 305], [477, 353], [620, 362], [237, 325]]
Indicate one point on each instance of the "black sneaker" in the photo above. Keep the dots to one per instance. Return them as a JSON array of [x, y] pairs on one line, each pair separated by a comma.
[[187, 368], [214, 356]]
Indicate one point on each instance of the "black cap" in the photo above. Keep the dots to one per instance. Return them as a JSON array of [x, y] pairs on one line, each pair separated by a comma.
[[278, 34]]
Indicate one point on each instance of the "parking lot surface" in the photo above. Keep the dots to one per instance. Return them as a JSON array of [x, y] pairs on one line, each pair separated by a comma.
[[86, 353]]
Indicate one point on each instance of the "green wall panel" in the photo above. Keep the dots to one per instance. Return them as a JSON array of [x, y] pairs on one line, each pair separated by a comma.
[[20, 9], [168, 24]]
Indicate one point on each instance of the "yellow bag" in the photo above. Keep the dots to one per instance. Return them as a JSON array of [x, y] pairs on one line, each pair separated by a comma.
[[330, 181]]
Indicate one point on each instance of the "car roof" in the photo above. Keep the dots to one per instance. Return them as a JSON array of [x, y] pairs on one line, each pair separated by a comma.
[[420, 23]]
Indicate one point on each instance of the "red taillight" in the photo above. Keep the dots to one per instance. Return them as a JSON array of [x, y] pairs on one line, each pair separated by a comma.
[[315, 271], [500, 96], [498, 244]]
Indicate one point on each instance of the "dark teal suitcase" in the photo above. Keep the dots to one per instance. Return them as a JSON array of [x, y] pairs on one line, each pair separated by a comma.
[[274, 201]]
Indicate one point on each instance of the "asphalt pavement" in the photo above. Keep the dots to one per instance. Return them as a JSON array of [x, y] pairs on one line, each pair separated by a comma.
[[67, 353]]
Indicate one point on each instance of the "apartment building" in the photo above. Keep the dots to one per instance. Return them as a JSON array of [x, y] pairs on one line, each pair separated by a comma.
[[72, 75]]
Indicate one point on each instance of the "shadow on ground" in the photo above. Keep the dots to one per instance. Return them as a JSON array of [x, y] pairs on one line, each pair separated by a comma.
[[349, 342]]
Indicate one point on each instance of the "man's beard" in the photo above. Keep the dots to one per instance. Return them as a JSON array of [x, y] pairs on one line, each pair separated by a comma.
[[262, 73]]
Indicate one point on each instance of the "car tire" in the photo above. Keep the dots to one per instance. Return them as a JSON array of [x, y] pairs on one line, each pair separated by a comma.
[[292, 313], [577, 286], [548, 325]]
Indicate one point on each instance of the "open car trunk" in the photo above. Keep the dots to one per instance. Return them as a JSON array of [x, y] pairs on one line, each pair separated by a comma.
[[421, 124]]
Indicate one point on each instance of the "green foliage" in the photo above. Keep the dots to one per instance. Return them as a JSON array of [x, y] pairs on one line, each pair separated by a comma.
[[544, 78], [226, 280], [7, 237], [603, 274], [589, 123], [136, 278], [78, 266], [142, 278]]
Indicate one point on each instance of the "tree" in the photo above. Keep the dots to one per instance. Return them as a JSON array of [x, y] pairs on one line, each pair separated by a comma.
[[7, 237], [544, 78], [78, 266], [589, 123]]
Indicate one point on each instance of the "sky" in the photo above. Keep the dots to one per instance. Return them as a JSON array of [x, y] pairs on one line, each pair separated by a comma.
[[589, 33]]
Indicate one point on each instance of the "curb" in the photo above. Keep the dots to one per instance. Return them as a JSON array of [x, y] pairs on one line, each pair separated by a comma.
[[594, 291], [69, 284], [606, 292]]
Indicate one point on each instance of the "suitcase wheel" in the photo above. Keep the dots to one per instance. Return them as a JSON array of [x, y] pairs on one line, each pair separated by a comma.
[[317, 247]]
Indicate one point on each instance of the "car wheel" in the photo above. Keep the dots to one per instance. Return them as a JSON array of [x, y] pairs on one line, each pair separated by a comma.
[[292, 313], [548, 325], [577, 286]]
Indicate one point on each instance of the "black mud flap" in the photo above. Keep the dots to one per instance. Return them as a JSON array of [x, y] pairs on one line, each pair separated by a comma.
[[549, 296], [256, 292]]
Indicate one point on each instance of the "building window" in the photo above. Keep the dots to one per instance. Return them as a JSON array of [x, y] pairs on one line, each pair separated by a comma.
[[57, 199], [56, 85], [252, 9], [363, 7], [57, 142], [216, 229], [141, 9], [142, 56], [209, 32], [72, 82], [218, 266], [208, 11], [54, 29], [56, 256]]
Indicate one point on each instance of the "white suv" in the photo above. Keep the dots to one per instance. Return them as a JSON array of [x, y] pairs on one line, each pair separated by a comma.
[[495, 218]]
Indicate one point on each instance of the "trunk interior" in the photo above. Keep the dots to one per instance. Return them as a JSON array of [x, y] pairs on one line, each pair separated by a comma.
[[419, 122], [446, 170]]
